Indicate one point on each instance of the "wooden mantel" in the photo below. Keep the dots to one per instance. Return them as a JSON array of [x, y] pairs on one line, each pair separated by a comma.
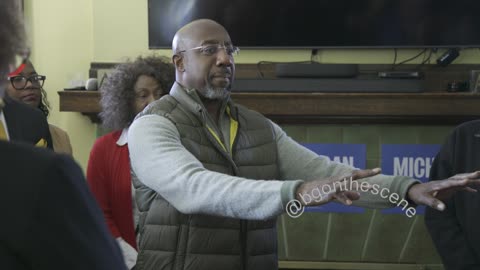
[[439, 108]]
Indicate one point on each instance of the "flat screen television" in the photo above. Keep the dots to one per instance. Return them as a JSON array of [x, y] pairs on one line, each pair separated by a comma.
[[274, 24]]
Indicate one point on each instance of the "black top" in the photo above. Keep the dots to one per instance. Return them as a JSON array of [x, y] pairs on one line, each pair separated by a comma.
[[49, 219], [26, 124], [456, 231]]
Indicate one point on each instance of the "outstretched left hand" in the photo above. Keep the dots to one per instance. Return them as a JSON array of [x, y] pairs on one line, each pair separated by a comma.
[[431, 193]]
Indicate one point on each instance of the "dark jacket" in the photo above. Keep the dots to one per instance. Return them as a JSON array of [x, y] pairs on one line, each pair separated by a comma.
[[49, 218], [456, 231], [26, 124]]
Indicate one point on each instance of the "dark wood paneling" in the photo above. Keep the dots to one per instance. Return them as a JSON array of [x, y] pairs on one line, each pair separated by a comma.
[[435, 106], [313, 108]]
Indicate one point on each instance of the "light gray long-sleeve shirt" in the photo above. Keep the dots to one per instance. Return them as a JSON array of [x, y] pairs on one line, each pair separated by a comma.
[[162, 163]]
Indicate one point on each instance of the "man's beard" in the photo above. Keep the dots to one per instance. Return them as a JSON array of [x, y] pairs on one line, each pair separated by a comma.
[[219, 93]]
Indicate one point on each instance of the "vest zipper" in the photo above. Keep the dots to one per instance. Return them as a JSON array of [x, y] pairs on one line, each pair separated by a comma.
[[238, 128], [217, 145], [229, 157]]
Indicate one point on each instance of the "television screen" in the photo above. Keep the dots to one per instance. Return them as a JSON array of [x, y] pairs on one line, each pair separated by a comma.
[[324, 23]]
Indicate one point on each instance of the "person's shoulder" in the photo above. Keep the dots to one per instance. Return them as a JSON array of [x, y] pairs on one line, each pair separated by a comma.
[[470, 125], [23, 151], [57, 130], [60, 140], [464, 133], [29, 163], [107, 140], [162, 106], [110, 137]]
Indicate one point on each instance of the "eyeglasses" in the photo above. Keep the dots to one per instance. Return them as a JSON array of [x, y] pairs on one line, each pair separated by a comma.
[[19, 82], [212, 49]]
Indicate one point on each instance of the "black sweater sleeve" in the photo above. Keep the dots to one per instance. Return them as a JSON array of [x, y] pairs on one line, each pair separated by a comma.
[[69, 231], [444, 228]]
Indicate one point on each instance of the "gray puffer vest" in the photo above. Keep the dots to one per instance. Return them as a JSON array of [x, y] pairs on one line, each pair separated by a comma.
[[172, 240]]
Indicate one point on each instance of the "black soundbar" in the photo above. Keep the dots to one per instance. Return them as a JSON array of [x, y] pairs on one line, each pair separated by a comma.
[[316, 70], [329, 85]]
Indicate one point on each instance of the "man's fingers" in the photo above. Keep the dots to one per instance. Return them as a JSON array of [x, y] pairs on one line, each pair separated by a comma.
[[432, 202], [359, 174], [472, 175], [342, 198], [352, 195], [474, 182], [469, 189], [453, 184], [449, 183], [347, 197]]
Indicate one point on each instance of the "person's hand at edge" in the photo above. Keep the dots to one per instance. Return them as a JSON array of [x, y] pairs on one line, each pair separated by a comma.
[[433, 192]]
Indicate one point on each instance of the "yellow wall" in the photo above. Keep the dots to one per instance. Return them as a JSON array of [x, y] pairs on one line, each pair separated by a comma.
[[66, 35], [60, 33]]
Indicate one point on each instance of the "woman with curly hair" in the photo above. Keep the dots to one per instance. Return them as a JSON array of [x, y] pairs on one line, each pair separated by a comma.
[[125, 92], [26, 86]]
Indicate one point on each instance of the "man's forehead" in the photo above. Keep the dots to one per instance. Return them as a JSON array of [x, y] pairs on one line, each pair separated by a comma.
[[208, 35], [199, 42]]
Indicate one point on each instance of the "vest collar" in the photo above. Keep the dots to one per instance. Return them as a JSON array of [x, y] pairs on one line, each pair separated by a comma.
[[191, 100]]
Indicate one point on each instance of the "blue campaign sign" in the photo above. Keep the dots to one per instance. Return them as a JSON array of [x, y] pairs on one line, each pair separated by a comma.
[[413, 160], [354, 155], [334, 207]]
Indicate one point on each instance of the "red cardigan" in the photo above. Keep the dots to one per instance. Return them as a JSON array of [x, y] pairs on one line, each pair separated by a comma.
[[108, 175]]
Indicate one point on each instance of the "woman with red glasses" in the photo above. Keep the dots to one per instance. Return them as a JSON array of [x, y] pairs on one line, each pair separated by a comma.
[[26, 86]]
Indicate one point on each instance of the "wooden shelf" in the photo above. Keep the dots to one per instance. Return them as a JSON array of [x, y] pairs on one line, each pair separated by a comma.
[[332, 108], [85, 102]]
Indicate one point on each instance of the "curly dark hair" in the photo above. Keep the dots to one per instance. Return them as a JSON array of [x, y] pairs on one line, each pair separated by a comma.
[[44, 105], [118, 93], [12, 34]]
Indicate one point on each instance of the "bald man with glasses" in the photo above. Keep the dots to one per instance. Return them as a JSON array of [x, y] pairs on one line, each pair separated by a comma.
[[211, 176]]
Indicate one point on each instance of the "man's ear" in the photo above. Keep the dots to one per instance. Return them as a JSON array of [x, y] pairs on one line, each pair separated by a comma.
[[178, 62]]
